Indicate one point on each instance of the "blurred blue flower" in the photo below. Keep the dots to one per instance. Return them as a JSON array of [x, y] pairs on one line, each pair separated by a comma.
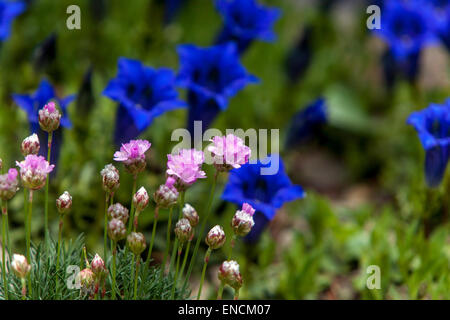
[[304, 122], [266, 193], [405, 27], [9, 10], [212, 76], [433, 127], [245, 21], [32, 103], [439, 19], [298, 58], [143, 93]]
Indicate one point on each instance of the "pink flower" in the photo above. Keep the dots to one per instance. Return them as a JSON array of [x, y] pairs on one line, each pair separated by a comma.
[[49, 117], [229, 152], [132, 154], [33, 171], [247, 208], [8, 184], [185, 167]]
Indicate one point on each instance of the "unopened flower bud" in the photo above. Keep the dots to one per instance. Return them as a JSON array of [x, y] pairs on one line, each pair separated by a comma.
[[30, 145], [215, 238], [64, 202], [140, 199], [190, 214], [243, 221], [110, 178], [98, 266], [49, 117], [116, 230], [166, 195], [184, 230], [229, 274], [86, 279], [9, 184], [20, 266], [118, 211], [136, 242]]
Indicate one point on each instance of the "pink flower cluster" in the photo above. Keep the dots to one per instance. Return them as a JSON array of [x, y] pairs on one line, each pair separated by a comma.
[[33, 171], [185, 167], [8, 184], [132, 154], [229, 152]]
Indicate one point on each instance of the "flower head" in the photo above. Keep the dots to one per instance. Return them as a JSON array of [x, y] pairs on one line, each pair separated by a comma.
[[98, 266], [212, 75], [245, 21], [20, 266], [132, 154], [33, 171], [136, 242], [229, 152], [265, 193], [144, 93], [141, 199], [242, 221], [184, 230], [433, 127], [9, 10], [229, 274], [8, 184], [166, 195], [110, 178], [64, 202], [191, 214], [49, 117], [185, 167], [118, 211], [116, 230], [215, 238], [86, 278], [30, 145]]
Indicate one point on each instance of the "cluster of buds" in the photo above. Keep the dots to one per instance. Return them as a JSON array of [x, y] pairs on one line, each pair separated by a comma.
[[64, 202], [8, 184], [184, 230], [20, 266], [229, 274], [215, 238], [242, 221], [49, 117], [33, 171], [116, 230], [166, 195], [119, 212], [132, 154], [110, 179], [30, 145], [191, 214], [136, 242]]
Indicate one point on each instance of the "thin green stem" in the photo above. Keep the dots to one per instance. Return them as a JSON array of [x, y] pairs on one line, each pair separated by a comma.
[[202, 230], [28, 234], [205, 264], [5, 283], [8, 240], [233, 240], [180, 214], [166, 252], [130, 223], [220, 292], [105, 229], [59, 252], [176, 272], [114, 253], [136, 276], [47, 183], [155, 221], [186, 253]]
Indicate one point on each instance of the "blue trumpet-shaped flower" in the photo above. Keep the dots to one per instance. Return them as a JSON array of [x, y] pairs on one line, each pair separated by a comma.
[[212, 76], [32, 103], [143, 93], [306, 121], [439, 18], [266, 193], [9, 10], [245, 21], [433, 127]]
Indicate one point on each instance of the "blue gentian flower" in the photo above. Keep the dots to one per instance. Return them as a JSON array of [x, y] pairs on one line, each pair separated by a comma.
[[32, 103], [266, 193], [304, 122], [433, 127], [439, 18], [143, 93], [245, 21], [212, 76], [9, 10]]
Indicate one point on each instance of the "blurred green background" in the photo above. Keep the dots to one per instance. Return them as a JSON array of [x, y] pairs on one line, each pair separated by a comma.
[[363, 172]]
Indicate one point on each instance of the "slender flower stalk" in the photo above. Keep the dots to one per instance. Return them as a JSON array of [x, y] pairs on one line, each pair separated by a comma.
[[186, 254], [28, 233], [169, 230], [220, 291], [110, 183], [116, 232], [50, 138], [136, 243], [180, 249], [185, 233], [105, 228], [114, 253], [150, 248], [180, 215], [130, 223], [61, 221], [202, 279], [63, 204], [5, 283], [138, 259]]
